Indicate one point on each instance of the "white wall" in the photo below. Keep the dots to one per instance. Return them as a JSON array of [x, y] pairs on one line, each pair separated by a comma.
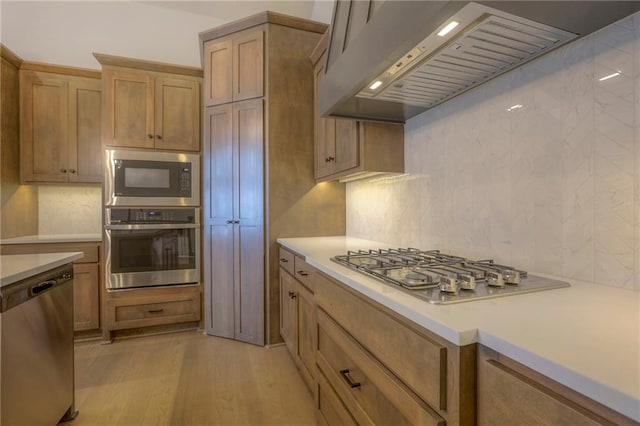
[[553, 187], [68, 32], [323, 11]]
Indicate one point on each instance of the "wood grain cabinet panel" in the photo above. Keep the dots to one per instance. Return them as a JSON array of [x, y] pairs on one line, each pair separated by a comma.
[[151, 110], [371, 393], [153, 310], [346, 148], [177, 114], [60, 128], [509, 393], [234, 219], [234, 68], [86, 296], [298, 324]]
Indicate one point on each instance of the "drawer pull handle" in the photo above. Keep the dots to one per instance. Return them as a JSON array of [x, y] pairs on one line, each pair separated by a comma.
[[303, 273], [155, 311], [283, 260], [348, 379]]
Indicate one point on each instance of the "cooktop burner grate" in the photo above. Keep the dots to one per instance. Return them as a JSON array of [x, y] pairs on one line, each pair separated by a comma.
[[442, 278]]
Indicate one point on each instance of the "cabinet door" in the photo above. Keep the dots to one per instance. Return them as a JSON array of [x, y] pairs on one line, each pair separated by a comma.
[[218, 65], [85, 125], [325, 132], [248, 137], [86, 299], [288, 311], [44, 127], [129, 109], [305, 332], [248, 65], [177, 113], [347, 145], [218, 217]]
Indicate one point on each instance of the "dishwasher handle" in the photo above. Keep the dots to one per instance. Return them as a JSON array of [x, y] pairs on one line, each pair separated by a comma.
[[40, 287]]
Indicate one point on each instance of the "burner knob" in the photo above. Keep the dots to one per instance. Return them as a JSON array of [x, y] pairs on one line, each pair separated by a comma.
[[448, 285], [495, 279], [467, 282]]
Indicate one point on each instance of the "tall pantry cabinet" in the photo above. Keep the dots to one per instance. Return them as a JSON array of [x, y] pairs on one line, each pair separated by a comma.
[[258, 168]]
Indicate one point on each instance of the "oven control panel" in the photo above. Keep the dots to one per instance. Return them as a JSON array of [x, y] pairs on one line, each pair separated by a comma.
[[151, 215]]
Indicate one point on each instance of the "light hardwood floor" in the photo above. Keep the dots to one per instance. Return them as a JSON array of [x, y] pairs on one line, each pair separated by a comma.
[[188, 379]]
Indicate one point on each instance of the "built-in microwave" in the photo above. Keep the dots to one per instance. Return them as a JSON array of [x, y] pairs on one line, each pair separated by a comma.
[[148, 178]]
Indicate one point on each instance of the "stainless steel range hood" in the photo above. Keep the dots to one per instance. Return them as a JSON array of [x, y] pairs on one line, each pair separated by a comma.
[[397, 47]]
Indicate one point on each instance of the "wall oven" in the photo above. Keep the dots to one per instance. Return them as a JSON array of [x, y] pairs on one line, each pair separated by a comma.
[[147, 178], [148, 247]]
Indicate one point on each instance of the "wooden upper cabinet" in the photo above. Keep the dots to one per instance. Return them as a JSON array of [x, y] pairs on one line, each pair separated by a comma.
[[218, 69], [177, 114], [60, 128], [234, 68], [128, 100], [149, 108], [85, 122], [346, 148]]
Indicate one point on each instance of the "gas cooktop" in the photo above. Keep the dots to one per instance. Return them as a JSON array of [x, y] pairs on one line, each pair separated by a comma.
[[442, 278]]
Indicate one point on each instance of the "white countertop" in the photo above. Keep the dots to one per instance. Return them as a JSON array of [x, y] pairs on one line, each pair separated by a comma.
[[16, 267], [53, 238], [586, 337]]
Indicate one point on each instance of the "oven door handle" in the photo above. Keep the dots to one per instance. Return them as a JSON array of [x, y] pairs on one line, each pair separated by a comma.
[[154, 226]]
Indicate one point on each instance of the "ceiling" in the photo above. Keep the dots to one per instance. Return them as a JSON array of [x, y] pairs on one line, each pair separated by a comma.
[[227, 11]]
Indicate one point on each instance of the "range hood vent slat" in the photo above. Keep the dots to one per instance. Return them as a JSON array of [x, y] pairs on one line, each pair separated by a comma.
[[492, 46]]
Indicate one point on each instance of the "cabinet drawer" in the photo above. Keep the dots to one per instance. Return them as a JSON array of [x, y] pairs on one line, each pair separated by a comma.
[[511, 393], [409, 352], [90, 250], [370, 392], [303, 272], [286, 260], [330, 410], [129, 313]]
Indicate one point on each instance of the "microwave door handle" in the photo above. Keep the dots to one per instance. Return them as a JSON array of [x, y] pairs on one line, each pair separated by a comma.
[[154, 226]]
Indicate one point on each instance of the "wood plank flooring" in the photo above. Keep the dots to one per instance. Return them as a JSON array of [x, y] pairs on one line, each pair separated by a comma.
[[188, 379]]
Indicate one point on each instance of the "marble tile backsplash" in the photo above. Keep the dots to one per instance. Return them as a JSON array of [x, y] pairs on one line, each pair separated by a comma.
[[551, 186], [69, 210]]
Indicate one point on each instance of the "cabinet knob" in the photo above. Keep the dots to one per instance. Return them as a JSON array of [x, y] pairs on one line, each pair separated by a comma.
[[158, 137], [331, 159], [63, 170], [292, 295], [150, 136], [303, 273], [229, 221], [236, 221], [72, 170]]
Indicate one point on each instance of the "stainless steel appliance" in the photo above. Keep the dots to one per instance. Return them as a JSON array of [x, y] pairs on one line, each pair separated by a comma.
[[442, 278], [151, 247], [392, 60], [36, 372], [148, 178]]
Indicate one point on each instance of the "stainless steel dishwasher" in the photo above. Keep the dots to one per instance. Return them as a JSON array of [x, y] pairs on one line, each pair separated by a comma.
[[36, 349]]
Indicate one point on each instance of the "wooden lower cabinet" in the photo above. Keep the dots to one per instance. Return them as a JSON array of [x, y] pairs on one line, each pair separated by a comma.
[[298, 322], [510, 393], [86, 280], [86, 296], [152, 307], [371, 392], [366, 364]]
